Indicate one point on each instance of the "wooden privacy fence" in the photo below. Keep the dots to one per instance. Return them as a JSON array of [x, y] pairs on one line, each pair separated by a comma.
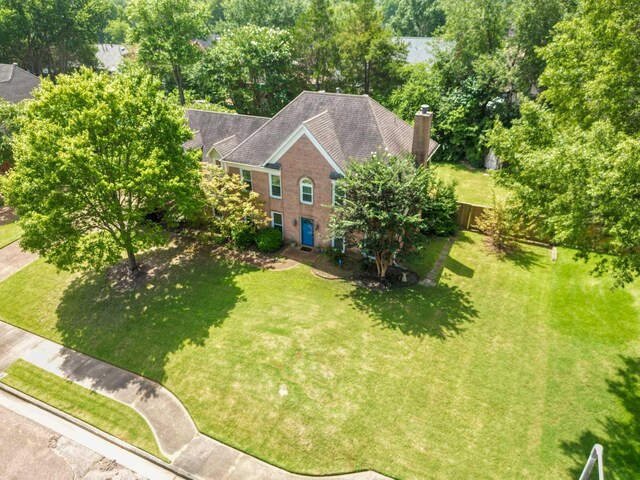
[[467, 215]]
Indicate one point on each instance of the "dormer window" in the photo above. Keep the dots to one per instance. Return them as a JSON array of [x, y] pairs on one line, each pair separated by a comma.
[[306, 191]]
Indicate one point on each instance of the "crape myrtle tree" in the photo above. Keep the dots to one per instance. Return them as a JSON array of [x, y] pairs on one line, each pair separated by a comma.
[[381, 206], [97, 158], [165, 31]]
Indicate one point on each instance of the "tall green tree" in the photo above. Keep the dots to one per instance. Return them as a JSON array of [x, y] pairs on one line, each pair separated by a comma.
[[370, 58], [478, 27], [532, 28], [9, 124], [165, 31], [382, 208], [315, 43], [253, 67], [417, 18], [56, 35], [263, 13], [592, 65], [97, 158], [574, 157]]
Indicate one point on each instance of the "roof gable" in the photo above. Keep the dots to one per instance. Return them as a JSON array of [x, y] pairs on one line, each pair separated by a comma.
[[216, 127], [348, 127]]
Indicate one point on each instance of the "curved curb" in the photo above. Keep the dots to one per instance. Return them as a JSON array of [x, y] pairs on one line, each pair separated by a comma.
[[96, 431]]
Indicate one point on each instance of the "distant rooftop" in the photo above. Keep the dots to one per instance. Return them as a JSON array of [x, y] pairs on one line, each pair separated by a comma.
[[423, 49], [16, 84], [111, 55]]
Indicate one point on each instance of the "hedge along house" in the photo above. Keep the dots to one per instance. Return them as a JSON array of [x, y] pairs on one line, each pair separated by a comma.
[[294, 158]]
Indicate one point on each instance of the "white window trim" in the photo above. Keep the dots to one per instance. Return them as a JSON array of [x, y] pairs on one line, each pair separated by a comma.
[[301, 195], [273, 224], [271, 175], [344, 246], [242, 170]]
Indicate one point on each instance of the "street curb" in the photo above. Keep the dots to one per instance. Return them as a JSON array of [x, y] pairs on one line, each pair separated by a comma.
[[96, 431]]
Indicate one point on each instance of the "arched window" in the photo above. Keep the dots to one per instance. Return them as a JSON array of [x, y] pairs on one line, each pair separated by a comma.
[[306, 191]]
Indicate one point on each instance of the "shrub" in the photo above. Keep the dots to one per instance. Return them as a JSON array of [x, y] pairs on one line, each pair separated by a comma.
[[243, 235], [440, 211], [335, 255], [501, 225], [269, 239]]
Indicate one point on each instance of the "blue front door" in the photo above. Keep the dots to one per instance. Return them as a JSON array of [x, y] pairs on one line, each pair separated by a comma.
[[307, 231]]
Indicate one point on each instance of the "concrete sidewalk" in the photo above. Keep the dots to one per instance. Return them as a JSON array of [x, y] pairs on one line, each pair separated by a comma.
[[175, 431], [13, 259]]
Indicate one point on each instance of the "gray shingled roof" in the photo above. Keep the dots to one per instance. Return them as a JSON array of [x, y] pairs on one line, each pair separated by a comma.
[[347, 126], [16, 84], [216, 128], [424, 49], [111, 55]]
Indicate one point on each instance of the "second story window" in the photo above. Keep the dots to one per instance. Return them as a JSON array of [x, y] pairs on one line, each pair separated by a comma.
[[276, 186], [337, 194], [246, 177], [306, 191]]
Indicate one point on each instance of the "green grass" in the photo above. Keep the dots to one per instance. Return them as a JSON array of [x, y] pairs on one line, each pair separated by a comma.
[[9, 233], [426, 256], [473, 186], [103, 413], [508, 369]]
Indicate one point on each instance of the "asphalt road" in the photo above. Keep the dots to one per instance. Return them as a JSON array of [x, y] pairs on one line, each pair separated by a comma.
[[29, 450]]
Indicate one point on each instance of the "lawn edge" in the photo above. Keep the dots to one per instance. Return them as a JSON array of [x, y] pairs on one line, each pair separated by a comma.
[[94, 430], [136, 450]]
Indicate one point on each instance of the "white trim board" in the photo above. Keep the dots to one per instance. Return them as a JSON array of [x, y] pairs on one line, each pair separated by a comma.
[[293, 138]]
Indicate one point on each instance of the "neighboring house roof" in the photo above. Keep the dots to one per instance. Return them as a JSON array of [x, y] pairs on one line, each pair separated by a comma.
[[111, 55], [221, 130], [423, 49], [347, 127], [16, 84]]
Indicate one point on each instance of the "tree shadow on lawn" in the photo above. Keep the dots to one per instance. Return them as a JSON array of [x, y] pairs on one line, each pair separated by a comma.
[[438, 312], [139, 329], [621, 440]]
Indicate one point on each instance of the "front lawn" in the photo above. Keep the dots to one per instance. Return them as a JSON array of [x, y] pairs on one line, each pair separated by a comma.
[[508, 369], [104, 413], [9, 233], [473, 186]]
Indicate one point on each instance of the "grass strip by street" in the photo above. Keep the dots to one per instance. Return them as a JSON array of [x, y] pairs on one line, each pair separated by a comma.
[[97, 410], [9, 233]]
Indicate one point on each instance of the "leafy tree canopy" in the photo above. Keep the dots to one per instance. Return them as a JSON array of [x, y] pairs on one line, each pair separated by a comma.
[[417, 18], [51, 34], [315, 43], [98, 158], [251, 66], [592, 65], [263, 13], [370, 58], [382, 208], [228, 202], [165, 31]]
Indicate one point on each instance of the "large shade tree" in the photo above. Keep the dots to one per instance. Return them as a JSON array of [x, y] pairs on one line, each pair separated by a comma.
[[252, 67], [165, 31], [380, 206], [575, 158], [56, 35], [99, 165]]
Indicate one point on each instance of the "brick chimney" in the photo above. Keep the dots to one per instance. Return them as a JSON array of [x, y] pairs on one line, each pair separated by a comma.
[[422, 135]]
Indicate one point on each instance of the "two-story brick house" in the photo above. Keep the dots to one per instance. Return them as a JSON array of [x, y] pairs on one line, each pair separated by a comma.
[[294, 158]]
